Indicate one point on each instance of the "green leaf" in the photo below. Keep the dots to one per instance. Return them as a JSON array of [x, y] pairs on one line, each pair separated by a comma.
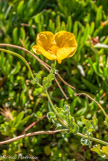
[[21, 123], [81, 112], [8, 68], [23, 98], [2, 61], [95, 121], [37, 91], [51, 25], [86, 142], [75, 28], [20, 8], [89, 84], [22, 33], [69, 24], [16, 69], [19, 118], [51, 116], [96, 149], [101, 152], [86, 34], [98, 31], [72, 125], [92, 28], [58, 21], [98, 16], [71, 92], [15, 35], [37, 18], [72, 106], [47, 81], [105, 150], [90, 126], [47, 150]]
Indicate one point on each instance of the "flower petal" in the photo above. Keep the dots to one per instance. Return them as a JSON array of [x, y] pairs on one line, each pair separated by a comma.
[[45, 39], [65, 39], [63, 53], [39, 50], [59, 46]]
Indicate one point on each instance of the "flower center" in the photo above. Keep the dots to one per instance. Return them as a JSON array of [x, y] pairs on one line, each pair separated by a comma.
[[53, 49]]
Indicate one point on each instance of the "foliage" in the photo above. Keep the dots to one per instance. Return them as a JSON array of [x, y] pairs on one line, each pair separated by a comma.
[[101, 152], [87, 70]]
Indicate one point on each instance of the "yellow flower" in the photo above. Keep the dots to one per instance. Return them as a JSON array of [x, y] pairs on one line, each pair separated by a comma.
[[55, 47]]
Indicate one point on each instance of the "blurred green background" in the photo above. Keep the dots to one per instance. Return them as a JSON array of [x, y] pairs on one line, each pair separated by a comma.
[[87, 70]]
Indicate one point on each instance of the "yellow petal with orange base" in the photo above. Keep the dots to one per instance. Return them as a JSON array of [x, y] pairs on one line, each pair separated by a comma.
[[37, 49], [45, 39], [65, 53], [65, 39]]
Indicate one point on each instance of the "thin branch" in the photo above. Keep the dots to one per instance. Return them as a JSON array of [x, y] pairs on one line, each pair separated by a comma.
[[79, 94], [61, 89], [52, 132], [66, 125], [34, 123], [22, 43], [21, 48], [31, 134], [47, 67], [39, 60], [56, 112], [61, 78], [24, 24], [49, 132], [65, 82], [92, 138], [19, 56]]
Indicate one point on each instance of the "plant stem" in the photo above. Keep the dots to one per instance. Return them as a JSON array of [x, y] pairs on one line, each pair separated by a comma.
[[59, 118], [32, 134], [102, 109], [65, 124], [61, 121], [19, 56], [46, 66], [23, 59], [93, 139]]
